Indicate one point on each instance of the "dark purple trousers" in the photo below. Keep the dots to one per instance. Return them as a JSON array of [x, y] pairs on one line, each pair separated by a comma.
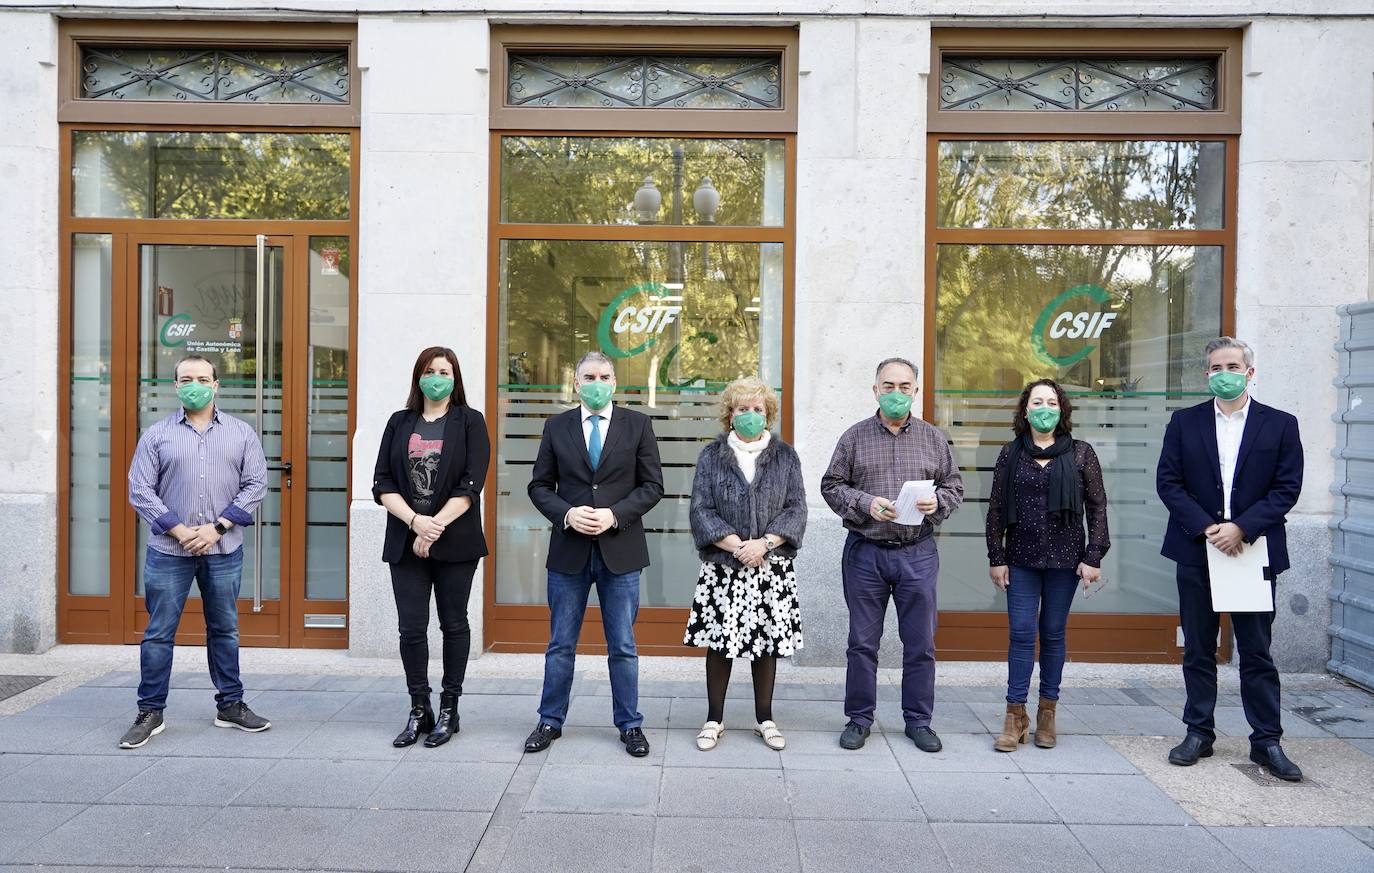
[[872, 574]]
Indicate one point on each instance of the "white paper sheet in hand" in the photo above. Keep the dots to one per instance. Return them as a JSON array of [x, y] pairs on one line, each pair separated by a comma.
[[1238, 584], [912, 491]]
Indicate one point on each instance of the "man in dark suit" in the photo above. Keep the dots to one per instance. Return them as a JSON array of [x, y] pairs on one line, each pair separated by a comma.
[[1230, 470], [596, 474]]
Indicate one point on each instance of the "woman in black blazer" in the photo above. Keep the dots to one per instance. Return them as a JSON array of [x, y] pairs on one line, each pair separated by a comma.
[[430, 470]]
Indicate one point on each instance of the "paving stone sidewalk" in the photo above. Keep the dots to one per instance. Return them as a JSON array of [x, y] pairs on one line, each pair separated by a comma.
[[324, 789]]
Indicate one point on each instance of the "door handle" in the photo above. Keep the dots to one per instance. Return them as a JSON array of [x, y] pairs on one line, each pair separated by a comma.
[[284, 467]]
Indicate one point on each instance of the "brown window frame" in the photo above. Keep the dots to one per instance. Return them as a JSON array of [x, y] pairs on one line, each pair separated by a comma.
[[75, 33]]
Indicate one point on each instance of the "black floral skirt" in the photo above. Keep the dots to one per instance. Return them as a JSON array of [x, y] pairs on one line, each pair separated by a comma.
[[752, 612]]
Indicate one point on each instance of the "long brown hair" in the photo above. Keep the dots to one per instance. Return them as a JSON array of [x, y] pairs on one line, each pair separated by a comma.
[[1020, 425], [416, 401]]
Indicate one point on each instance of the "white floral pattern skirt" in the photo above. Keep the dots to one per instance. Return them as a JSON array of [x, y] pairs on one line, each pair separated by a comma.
[[752, 612]]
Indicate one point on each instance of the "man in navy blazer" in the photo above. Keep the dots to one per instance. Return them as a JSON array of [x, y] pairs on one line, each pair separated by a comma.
[[596, 474], [1229, 471]]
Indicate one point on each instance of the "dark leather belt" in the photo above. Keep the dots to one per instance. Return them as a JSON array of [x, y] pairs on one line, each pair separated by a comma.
[[922, 532]]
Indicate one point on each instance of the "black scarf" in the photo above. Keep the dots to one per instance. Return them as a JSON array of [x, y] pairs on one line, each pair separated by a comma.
[[1064, 497]]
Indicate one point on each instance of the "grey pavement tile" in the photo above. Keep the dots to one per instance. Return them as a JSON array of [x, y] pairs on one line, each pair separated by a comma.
[[685, 845], [512, 685], [85, 701], [209, 740], [498, 709], [1311, 850], [39, 735], [385, 840], [311, 783], [198, 679], [820, 750], [1073, 753], [946, 718], [689, 713], [289, 838], [346, 683], [1347, 721], [1091, 798], [980, 797], [295, 705], [1115, 720], [1013, 848], [190, 705], [22, 824], [190, 781], [737, 748], [1171, 697], [70, 778], [591, 789], [831, 691], [13, 762], [595, 711], [961, 753], [1067, 720], [1362, 833], [1153, 848], [1090, 695], [844, 796], [1365, 745], [127, 836], [116, 678], [414, 784], [580, 844], [384, 707], [351, 740], [871, 846], [1230, 722], [723, 793], [477, 742], [601, 745]]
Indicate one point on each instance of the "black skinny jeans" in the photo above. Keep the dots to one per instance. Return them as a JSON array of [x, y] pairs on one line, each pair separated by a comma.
[[412, 579]]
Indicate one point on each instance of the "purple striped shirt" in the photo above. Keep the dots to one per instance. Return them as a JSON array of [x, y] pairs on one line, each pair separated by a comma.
[[182, 476]]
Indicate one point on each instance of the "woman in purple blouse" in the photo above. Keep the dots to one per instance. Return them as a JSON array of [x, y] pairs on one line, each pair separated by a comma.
[[1044, 485]]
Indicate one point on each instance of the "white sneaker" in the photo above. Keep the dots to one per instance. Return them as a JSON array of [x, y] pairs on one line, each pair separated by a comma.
[[772, 737], [710, 735]]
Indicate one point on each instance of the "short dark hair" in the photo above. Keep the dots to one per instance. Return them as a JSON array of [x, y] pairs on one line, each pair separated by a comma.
[[416, 401], [1020, 425], [214, 371]]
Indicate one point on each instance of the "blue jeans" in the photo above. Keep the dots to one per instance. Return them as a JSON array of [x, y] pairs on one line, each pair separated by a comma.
[[1048, 592], [166, 585], [619, 596]]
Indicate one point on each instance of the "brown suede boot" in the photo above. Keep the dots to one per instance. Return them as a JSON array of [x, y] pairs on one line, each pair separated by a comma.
[[1015, 729], [1045, 735]]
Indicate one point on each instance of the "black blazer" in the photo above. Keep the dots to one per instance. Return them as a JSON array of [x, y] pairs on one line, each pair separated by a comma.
[[628, 481], [1267, 482], [462, 473]]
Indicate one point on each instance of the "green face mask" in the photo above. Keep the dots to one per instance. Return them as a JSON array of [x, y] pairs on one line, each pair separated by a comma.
[[1043, 419], [195, 396], [749, 424], [1226, 385], [436, 387], [895, 405], [596, 394]]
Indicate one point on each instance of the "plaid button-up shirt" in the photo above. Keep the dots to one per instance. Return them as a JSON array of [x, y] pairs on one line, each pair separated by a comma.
[[871, 461]]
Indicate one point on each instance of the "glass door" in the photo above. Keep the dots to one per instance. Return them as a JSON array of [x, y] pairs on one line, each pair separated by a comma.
[[224, 298]]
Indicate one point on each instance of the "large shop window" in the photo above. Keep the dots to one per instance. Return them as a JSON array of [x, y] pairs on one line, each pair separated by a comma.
[[680, 314]]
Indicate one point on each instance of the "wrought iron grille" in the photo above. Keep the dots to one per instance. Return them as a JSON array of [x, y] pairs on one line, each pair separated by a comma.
[[1079, 84], [645, 82], [222, 75]]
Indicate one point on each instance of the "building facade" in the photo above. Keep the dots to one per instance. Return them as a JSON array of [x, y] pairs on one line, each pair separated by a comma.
[[1000, 192]]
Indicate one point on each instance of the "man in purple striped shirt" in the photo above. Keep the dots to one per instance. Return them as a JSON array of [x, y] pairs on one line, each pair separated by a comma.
[[196, 477]]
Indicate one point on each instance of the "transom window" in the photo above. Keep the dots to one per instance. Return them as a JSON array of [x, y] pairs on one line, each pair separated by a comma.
[[1084, 84], [241, 74], [746, 81]]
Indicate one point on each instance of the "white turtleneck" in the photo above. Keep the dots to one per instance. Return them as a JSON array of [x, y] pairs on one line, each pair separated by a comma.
[[747, 454]]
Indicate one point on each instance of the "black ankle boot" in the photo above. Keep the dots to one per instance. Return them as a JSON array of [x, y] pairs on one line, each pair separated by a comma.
[[421, 721], [447, 725]]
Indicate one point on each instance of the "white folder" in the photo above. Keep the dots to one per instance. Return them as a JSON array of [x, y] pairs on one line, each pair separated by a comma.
[[1238, 583]]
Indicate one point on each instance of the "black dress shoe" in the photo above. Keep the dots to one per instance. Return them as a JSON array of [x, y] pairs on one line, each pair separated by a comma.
[[1276, 762], [421, 721], [925, 739], [542, 737], [447, 723], [854, 736], [635, 742], [1186, 753]]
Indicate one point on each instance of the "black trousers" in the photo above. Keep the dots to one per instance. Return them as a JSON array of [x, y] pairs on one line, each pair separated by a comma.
[[1259, 678], [412, 580]]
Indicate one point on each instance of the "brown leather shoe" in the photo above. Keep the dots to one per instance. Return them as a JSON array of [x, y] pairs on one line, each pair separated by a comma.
[[1045, 734], [1015, 728]]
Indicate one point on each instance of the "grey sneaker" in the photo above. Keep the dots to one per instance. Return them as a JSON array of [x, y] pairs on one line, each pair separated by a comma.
[[147, 725], [238, 715]]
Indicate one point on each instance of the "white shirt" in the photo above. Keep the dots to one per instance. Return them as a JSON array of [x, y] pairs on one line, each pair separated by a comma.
[[1230, 429], [605, 424]]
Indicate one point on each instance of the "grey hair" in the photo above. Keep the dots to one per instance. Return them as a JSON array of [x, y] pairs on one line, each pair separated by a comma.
[[903, 361], [593, 357], [1228, 342]]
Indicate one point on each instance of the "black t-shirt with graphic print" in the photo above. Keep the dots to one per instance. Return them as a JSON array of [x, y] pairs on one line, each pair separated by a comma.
[[422, 456]]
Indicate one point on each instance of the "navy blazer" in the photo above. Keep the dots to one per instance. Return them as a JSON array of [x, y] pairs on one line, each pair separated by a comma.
[[1267, 482]]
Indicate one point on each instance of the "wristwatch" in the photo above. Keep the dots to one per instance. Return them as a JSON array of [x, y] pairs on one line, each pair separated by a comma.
[[220, 528], [769, 544]]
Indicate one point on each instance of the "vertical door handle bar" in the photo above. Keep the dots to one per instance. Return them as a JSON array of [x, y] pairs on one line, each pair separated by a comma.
[[258, 327]]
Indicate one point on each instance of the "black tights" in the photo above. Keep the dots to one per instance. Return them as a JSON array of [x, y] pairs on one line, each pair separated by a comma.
[[412, 580], [765, 671]]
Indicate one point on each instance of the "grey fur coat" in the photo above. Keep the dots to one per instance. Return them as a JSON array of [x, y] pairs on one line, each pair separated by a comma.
[[724, 503]]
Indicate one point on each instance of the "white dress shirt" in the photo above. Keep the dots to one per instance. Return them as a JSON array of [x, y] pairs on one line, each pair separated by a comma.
[[587, 424], [1230, 429]]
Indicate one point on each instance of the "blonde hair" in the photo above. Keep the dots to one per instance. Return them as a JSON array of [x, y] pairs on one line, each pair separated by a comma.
[[747, 388]]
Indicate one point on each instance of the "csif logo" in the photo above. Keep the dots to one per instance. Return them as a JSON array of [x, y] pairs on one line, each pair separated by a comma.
[[1057, 321], [176, 330], [653, 317]]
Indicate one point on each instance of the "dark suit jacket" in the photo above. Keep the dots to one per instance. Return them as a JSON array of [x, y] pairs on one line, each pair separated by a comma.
[[628, 481], [1267, 482], [462, 473]]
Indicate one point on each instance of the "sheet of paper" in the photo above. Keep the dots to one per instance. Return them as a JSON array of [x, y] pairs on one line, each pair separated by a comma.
[[1238, 584], [907, 513]]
